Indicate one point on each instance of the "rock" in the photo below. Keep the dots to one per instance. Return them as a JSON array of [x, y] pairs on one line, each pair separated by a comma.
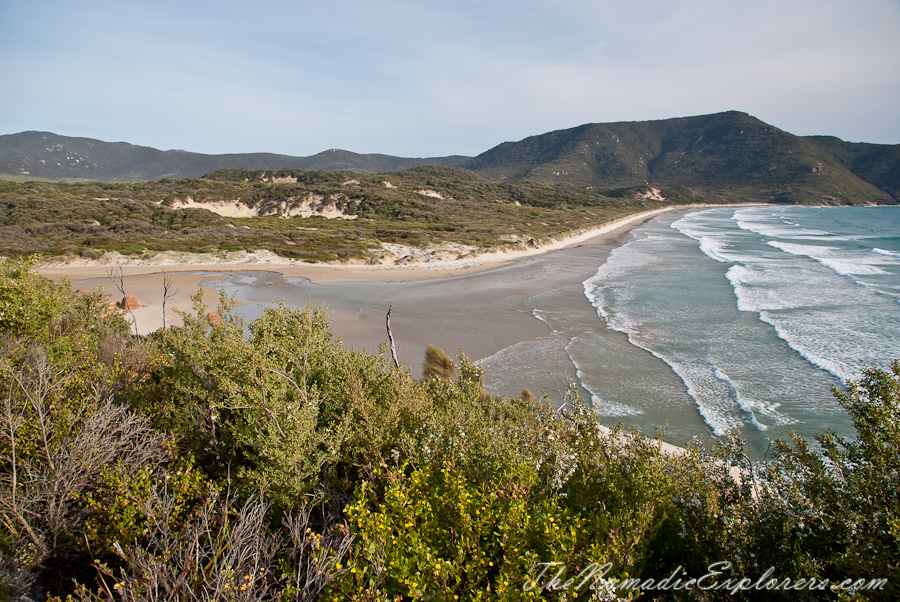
[[129, 302], [214, 318]]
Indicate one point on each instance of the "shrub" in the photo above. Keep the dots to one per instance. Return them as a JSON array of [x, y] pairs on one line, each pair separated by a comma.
[[449, 491], [435, 534], [835, 514], [61, 436]]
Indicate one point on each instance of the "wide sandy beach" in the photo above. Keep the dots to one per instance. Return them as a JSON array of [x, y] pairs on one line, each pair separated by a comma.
[[492, 306], [144, 279], [482, 303]]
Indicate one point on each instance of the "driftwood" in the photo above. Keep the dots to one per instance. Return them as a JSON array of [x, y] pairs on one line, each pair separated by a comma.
[[117, 275], [391, 337], [169, 291]]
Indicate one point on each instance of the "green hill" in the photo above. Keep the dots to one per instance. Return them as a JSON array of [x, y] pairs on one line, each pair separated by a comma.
[[875, 163], [727, 153], [45, 155]]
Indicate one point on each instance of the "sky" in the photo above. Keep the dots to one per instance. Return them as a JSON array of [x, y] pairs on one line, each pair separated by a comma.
[[422, 78]]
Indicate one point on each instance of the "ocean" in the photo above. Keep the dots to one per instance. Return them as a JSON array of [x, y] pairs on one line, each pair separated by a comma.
[[697, 323], [757, 312]]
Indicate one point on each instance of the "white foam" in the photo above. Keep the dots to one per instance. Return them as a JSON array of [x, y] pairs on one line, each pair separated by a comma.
[[543, 318], [742, 403], [594, 294], [767, 286], [798, 249], [843, 263], [612, 408], [711, 403], [886, 253], [774, 226], [714, 248], [849, 267], [623, 263], [831, 322], [601, 406], [533, 361], [710, 229], [793, 335], [714, 399], [749, 297], [710, 393]]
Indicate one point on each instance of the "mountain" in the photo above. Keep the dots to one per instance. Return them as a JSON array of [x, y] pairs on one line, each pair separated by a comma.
[[47, 155], [875, 163], [729, 153]]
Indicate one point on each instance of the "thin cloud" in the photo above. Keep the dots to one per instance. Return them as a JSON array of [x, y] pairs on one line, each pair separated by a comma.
[[434, 78]]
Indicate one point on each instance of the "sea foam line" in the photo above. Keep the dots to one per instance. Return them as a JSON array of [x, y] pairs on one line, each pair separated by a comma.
[[841, 265], [747, 407], [719, 422]]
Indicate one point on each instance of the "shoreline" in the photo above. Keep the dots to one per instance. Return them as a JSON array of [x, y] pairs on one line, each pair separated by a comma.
[[171, 262], [143, 278], [168, 261]]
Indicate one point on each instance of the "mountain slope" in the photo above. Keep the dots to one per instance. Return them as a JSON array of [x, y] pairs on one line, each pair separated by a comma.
[[875, 163], [47, 155], [731, 153]]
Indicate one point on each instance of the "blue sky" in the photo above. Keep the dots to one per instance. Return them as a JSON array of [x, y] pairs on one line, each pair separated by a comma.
[[422, 78]]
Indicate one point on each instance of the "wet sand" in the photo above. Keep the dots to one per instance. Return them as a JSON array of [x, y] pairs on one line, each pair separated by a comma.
[[480, 308]]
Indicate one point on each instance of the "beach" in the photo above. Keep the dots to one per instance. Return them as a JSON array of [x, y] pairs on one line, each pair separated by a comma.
[[482, 304], [188, 273], [699, 319]]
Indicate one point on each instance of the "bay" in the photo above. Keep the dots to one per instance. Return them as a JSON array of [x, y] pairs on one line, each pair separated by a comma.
[[696, 322]]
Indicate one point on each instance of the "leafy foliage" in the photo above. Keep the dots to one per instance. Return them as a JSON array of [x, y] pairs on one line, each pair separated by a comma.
[[260, 411], [437, 534], [267, 461], [838, 510]]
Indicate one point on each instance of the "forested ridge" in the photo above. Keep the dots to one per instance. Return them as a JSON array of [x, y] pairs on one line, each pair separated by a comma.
[[729, 153]]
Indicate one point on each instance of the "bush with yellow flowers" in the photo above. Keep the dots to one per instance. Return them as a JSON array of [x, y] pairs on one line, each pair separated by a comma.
[[436, 534]]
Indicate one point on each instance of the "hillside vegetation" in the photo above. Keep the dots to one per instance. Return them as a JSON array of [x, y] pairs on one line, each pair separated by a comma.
[[423, 206], [732, 154], [267, 461], [875, 163], [727, 153], [45, 155]]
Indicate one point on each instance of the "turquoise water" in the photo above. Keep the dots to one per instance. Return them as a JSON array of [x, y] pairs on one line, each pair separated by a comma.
[[756, 310], [700, 322]]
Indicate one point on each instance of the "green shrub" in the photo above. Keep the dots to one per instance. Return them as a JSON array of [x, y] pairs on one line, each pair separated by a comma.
[[281, 408], [449, 491], [29, 303], [434, 534], [835, 514]]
